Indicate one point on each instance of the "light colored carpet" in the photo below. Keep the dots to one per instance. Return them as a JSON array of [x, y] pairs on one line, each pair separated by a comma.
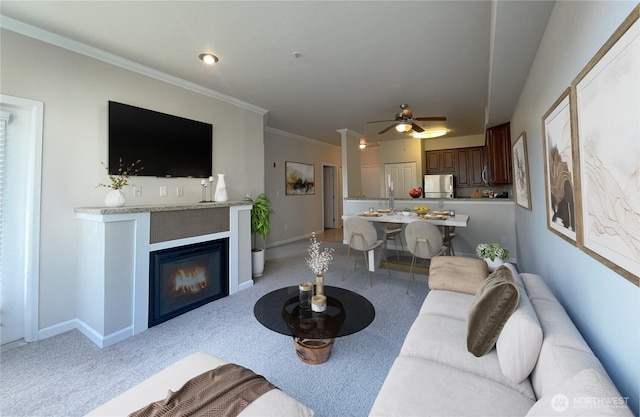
[[67, 375]]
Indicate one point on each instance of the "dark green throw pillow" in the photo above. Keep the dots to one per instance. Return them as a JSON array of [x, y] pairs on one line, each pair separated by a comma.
[[496, 299]]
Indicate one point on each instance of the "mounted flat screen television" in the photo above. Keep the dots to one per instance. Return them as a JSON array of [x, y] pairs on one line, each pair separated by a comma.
[[168, 146]]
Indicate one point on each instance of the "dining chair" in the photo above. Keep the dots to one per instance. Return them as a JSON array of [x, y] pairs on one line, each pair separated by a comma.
[[361, 235], [424, 241], [448, 239], [392, 232]]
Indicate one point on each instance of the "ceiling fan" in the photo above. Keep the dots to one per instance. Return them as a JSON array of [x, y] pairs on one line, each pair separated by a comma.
[[405, 121]]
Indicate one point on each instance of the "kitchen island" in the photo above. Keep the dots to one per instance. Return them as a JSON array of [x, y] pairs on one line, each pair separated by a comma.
[[492, 220]]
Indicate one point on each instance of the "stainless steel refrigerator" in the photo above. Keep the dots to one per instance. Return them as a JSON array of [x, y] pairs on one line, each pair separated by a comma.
[[438, 186]]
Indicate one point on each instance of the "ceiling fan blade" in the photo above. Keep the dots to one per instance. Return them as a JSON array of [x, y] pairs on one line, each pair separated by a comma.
[[417, 128], [378, 121], [390, 127], [431, 119]]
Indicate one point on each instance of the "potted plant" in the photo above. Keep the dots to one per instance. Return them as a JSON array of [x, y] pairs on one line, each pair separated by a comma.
[[260, 225], [493, 254], [115, 197]]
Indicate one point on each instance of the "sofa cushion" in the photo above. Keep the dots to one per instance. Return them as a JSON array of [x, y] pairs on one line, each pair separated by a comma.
[[520, 341], [440, 338], [495, 301], [419, 387], [457, 273], [564, 352], [447, 303], [588, 393]]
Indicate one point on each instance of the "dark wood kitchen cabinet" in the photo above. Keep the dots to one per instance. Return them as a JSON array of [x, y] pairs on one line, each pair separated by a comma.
[[498, 151], [470, 163], [442, 161], [478, 166]]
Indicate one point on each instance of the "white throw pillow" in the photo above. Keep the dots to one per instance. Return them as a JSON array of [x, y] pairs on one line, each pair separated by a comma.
[[587, 393], [520, 341]]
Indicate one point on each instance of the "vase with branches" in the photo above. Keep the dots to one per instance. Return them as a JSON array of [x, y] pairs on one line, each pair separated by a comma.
[[115, 197]]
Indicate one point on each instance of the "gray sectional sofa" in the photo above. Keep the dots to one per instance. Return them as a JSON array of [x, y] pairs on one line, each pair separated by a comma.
[[540, 365]]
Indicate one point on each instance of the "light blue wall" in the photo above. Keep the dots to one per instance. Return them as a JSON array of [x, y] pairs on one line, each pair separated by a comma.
[[603, 305]]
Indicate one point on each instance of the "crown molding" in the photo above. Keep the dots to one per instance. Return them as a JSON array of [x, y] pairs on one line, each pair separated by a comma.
[[297, 137], [95, 53]]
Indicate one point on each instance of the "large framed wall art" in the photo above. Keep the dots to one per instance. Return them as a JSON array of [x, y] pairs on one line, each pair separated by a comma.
[[299, 178], [520, 160], [607, 98], [559, 173]]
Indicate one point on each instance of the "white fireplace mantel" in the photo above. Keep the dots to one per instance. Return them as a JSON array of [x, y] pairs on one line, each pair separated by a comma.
[[113, 261]]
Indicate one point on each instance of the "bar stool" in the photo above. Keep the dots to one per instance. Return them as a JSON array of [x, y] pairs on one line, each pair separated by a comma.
[[362, 236], [392, 232], [424, 241], [448, 240]]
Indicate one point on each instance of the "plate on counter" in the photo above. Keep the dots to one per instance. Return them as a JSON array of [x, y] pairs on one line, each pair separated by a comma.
[[441, 212], [367, 214], [434, 217]]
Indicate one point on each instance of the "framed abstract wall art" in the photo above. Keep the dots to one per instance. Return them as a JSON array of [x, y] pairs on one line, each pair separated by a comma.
[[559, 170], [607, 98], [299, 178], [521, 172]]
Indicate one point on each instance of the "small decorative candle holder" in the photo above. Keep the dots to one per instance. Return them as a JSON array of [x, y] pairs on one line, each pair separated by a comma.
[[319, 303], [305, 293], [203, 183]]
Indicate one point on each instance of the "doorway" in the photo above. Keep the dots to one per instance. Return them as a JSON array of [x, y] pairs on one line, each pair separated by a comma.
[[21, 124], [329, 197]]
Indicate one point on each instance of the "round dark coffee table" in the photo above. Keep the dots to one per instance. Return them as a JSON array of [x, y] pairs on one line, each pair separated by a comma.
[[314, 333]]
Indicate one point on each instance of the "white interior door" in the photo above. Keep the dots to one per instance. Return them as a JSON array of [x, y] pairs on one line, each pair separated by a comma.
[[370, 178], [404, 178], [20, 168]]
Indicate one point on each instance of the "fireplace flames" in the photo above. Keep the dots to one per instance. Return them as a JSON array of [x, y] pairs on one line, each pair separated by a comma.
[[189, 280]]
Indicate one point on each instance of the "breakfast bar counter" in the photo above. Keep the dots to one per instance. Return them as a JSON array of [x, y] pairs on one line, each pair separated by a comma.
[[492, 220]]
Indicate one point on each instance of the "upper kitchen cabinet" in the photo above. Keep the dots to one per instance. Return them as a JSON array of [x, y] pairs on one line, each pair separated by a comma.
[[441, 161], [498, 154], [466, 164]]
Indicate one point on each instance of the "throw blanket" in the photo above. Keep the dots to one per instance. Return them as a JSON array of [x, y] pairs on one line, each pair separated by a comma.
[[223, 391]]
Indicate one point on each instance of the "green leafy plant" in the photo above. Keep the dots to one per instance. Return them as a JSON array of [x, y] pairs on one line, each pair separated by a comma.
[[117, 182], [492, 251], [261, 213]]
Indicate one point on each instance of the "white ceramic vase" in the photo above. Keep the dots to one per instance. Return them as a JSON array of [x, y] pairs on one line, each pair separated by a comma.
[[493, 265], [221, 190], [115, 198]]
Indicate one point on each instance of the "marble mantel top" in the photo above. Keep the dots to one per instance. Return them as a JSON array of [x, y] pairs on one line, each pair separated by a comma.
[[155, 207]]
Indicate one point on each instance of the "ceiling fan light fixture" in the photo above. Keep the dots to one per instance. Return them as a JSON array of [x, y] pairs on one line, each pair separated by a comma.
[[403, 127], [431, 133], [363, 143], [208, 58]]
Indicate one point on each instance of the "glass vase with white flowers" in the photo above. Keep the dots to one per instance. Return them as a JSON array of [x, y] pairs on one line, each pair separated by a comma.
[[319, 261]]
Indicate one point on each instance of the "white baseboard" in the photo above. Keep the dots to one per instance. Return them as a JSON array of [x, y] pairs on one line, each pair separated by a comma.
[[245, 285], [57, 329], [104, 341]]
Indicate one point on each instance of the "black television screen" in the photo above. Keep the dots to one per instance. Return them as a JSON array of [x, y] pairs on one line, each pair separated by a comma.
[[168, 146]]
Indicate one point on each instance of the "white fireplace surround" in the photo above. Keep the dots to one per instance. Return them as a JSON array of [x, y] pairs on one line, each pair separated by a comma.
[[113, 264]]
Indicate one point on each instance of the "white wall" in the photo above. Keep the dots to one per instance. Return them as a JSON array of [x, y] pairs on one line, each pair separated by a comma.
[[75, 90], [604, 305], [296, 216]]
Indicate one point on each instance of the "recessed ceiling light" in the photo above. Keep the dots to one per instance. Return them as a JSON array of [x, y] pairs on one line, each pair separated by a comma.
[[208, 59], [431, 133]]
